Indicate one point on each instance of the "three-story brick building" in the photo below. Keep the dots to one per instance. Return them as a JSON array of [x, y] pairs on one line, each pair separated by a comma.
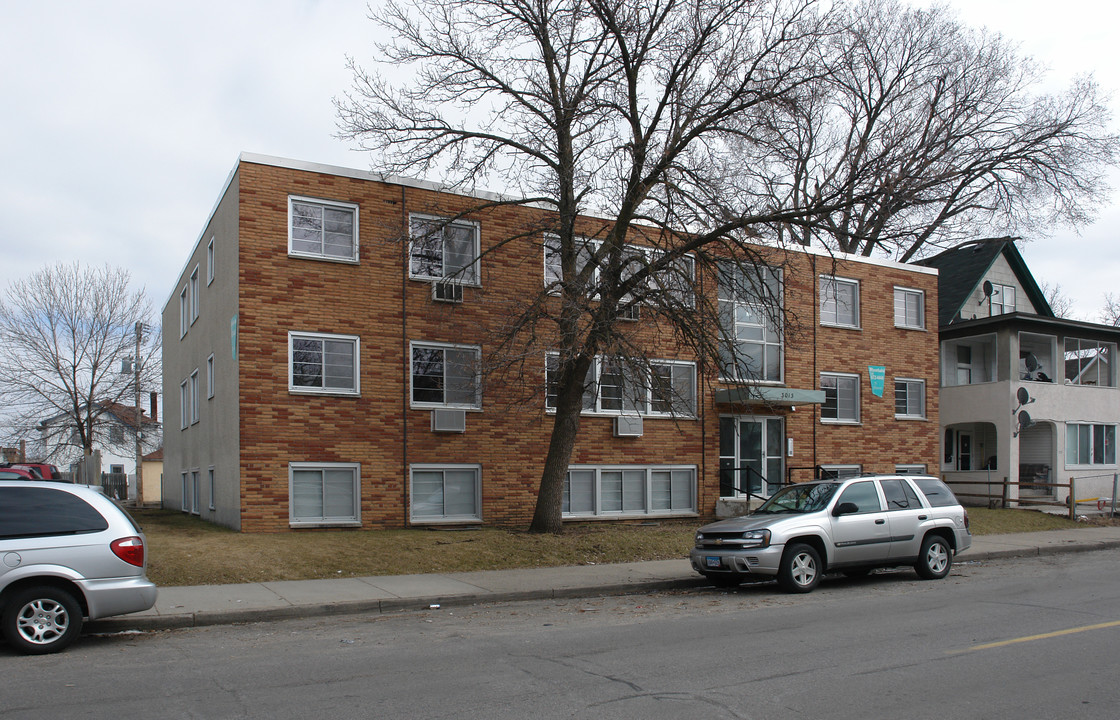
[[321, 374]]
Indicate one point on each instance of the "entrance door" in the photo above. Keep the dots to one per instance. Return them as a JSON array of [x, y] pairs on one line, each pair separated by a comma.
[[964, 451], [751, 460]]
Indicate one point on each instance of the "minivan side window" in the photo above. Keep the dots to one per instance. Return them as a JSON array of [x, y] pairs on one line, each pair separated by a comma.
[[42, 512], [863, 495], [900, 496], [937, 492]]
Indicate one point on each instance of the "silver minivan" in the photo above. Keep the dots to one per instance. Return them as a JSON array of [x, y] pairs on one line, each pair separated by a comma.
[[67, 552], [850, 526]]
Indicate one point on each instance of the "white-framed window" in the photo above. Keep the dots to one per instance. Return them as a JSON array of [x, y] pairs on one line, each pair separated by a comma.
[[840, 471], [324, 493], [1002, 299], [839, 301], [194, 294], [184, 310], [841, 398], [1089, 362], [323, 364], [677, 279], [1089, 444], [750, 307], [322, 229], [613, 387], [909, 398], [610, 490], [196, 489], [446, 375], [445, 493], [210, 377], [184, 404], [210, 261], [909, 308], [910, 469], [210, 485], [185, 491], [194, 397], [440, 248]]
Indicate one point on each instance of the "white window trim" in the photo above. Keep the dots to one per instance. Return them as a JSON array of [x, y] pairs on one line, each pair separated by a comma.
[[194, 397], [210, 261], [210, 377], [837, 281], [907, 468], [922, 315], [184, 491], [342, 392], [446, 519], [646, 402], [842, 467], [292, 252], [210, 479], [420, 405], [648, 511], [193, 284], [325, 522], [184, 404], [475, 272], [905, 416], [196, 491], [858, 400], [184, 311], [737, 300], [1092, 443]]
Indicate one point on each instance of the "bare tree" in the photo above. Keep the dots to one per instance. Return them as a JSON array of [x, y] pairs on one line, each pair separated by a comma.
[[1110, 315], [940, 128], [64, 332], [1059, 302]]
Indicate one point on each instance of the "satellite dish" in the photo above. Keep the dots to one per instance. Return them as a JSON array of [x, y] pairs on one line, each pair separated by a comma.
[[1032, 362], [988, 290], [1024, 420], [1023, 396]]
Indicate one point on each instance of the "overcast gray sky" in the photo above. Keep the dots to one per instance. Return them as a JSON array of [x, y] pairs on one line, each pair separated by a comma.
[[121, 121]]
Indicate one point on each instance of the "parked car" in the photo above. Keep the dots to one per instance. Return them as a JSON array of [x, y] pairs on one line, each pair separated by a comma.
[[852, 526], [40, 471], [16, 473], [68, 553]]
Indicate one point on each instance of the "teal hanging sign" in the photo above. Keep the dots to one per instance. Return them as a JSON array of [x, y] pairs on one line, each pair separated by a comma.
[[877, 374]]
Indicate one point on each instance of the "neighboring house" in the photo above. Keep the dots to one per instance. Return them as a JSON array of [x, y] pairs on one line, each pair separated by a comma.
[[114, 436], [1004, 353], [314, 356], [153, 477]]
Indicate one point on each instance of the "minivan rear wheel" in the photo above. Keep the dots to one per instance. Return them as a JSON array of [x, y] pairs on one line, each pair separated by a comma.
[[800, 570], [40, 620]]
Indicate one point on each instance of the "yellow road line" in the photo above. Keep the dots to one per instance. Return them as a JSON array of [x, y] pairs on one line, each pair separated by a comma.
[[1043, 636]]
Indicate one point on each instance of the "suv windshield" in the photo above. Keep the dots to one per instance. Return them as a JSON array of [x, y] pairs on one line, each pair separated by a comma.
[[800, 498]]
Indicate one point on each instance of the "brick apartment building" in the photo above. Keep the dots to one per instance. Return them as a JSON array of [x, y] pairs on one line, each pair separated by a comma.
[[315, 361]]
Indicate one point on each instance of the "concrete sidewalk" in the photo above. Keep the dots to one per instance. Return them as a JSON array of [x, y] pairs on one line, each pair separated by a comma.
[[179, 607]]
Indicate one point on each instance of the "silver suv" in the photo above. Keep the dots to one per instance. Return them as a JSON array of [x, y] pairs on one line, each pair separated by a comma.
[[66, 552], [851, 526]]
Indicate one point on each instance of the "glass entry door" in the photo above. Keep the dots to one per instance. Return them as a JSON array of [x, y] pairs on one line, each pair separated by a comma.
[[750, 456]]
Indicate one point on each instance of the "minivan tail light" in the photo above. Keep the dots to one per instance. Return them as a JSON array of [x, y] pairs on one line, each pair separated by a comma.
[[129, 549]]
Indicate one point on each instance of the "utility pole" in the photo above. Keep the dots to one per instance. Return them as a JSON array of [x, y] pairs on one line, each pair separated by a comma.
[[139, 420]]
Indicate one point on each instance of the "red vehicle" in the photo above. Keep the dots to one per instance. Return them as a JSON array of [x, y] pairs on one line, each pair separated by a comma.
[[35, 471], [12, 472]]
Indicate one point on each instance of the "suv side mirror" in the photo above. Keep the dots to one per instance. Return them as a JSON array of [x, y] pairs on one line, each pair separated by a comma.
[[845, 508]]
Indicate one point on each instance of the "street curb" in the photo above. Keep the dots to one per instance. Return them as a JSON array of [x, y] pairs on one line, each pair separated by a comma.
[[133, 623], [152, 623]]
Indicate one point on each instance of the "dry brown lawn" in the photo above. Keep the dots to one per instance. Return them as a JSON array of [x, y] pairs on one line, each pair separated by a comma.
[[184, 550]]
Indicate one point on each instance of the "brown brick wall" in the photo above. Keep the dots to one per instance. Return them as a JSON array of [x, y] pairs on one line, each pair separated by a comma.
[[509, 437]]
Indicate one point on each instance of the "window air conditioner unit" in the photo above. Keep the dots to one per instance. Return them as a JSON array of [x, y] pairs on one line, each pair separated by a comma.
[[449, 421], [628, 426], [447, 291]]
